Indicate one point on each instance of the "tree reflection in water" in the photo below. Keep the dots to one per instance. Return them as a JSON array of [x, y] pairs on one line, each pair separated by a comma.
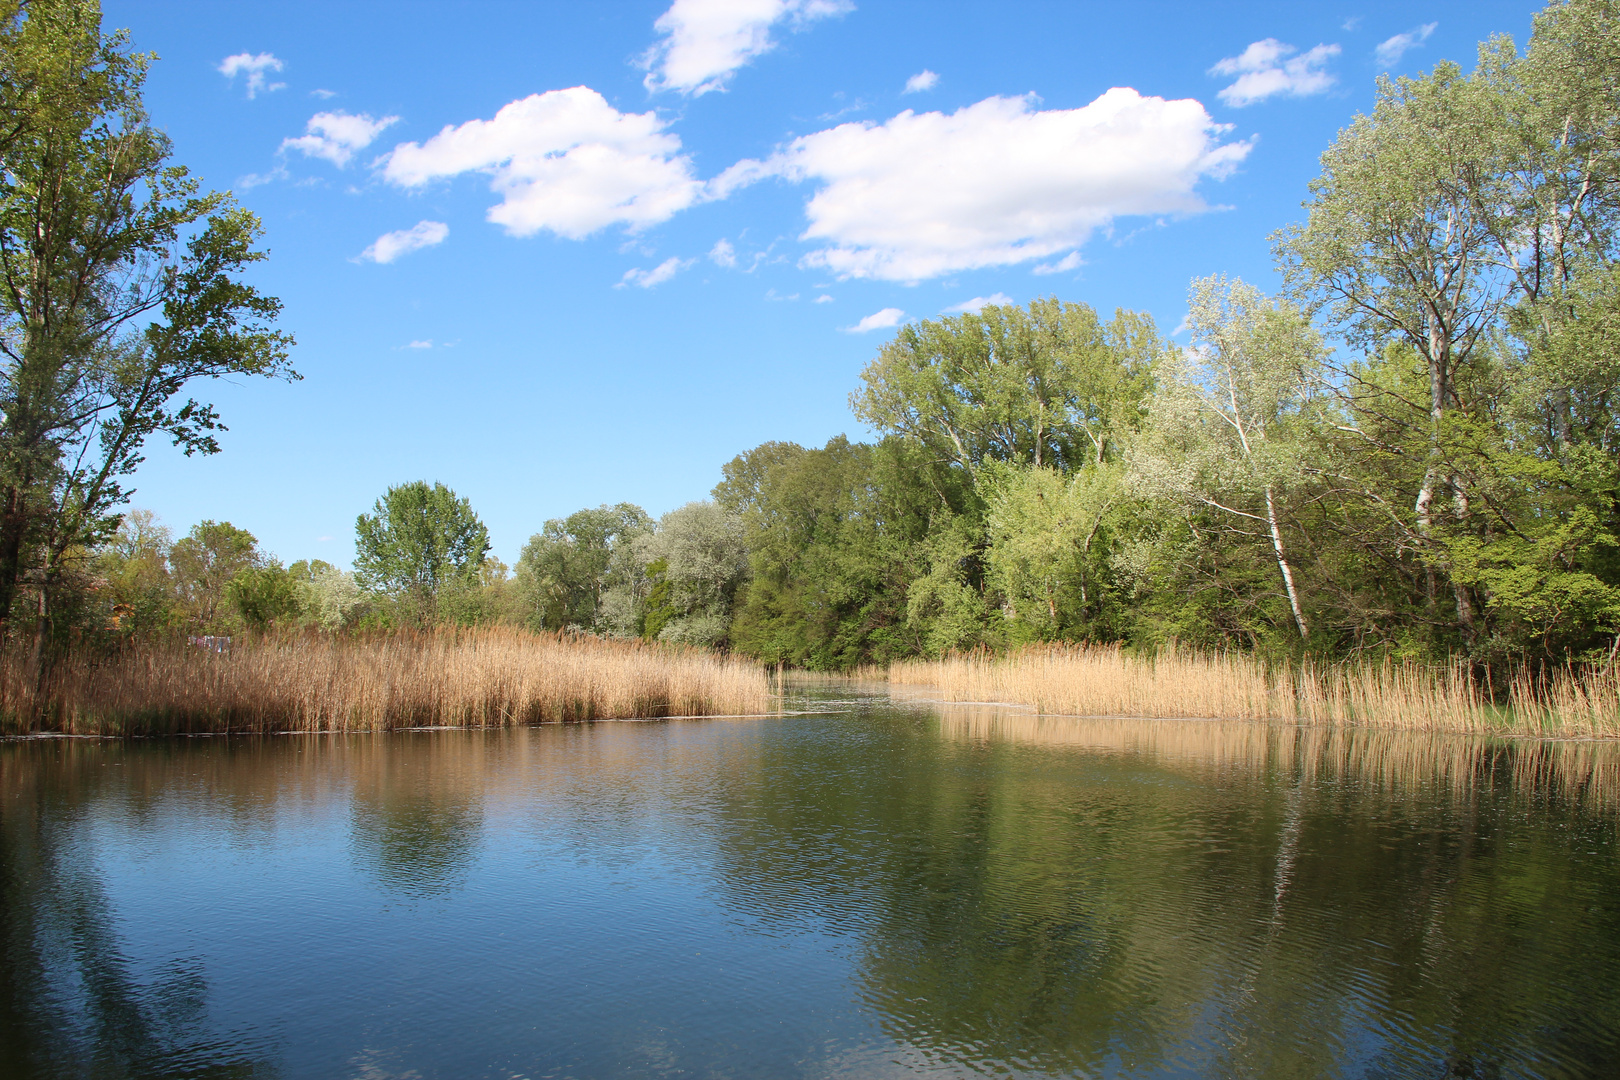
[[417, 811], [70, 1005], [963, 889], [1221, 899]]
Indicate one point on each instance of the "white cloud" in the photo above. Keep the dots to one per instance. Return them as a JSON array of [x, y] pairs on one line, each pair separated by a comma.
[[994, 183], [822, 299], [1389, 52], [723, 254], [338, 136], [1071, 261], [659, 274], [564, 160], [1267, 68], [323, 94], [705, 41], [255, 67], [878, 320], [390, 246], [978, 303], [253, 180], [424, 344], [923, 80]]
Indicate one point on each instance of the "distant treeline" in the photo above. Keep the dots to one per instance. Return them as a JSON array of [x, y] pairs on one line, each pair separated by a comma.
[[1411, 451]]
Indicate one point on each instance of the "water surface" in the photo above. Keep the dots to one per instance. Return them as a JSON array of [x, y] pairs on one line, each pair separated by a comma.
[[878, 888]]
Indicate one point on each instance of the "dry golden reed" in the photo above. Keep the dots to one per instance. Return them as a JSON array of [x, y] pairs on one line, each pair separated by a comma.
[[1105, 681], [451, 677]]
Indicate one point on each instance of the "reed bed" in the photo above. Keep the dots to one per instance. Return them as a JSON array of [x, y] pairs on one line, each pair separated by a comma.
[[1176, 683], [453, 678]]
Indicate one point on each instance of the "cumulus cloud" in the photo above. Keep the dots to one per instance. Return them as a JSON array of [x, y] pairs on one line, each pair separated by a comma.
[[923, 80], [1389, 52], [564, 160], [390, 246], [256, 68], [338, 136], [723, 254], [659, 274], [994, 183], [1071, 261], [1267, 68], [323, 94], [703, 42], [878, 320], [426, 343]]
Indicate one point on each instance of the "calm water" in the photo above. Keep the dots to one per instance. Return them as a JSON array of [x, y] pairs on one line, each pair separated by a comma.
[[877, 889]]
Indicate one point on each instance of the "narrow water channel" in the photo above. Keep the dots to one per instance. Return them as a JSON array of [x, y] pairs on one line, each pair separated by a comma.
[[861, 887]]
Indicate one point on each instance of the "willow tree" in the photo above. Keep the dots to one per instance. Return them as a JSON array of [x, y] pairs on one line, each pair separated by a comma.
[[120, 287]]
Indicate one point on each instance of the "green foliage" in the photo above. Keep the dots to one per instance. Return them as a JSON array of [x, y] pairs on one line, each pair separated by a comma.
[[417, 540], [1050, 539], [327, 597], [836, 536], [135, 566], [264, 595], [124, 287], [203, 564], [1051, 385], [702, 562], [566, 569]]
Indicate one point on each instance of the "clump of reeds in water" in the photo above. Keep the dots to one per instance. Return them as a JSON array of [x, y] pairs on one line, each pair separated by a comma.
[[1176, 683], [448, 677]]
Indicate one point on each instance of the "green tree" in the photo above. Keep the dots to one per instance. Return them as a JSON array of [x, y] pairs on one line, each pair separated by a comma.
[[203, 563], [858, 553], [122, 287], [566, 568], [1464, 235], [264, 595], [1225, 426], [702, 555], [1048, 547], [134, 563], [327, 597], [1051, 385], [417, 540]]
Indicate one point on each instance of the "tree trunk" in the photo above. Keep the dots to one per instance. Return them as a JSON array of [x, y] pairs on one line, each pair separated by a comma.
[[13, 525], [1282, 564]]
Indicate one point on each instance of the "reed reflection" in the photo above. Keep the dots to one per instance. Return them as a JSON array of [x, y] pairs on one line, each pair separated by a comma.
[[1220, 899]]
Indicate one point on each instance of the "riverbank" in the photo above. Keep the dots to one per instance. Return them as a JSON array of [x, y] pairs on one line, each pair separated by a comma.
[[1176, 684], [371, 682]]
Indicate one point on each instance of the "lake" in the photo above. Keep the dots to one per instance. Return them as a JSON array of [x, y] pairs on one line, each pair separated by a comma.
[[865, 886]]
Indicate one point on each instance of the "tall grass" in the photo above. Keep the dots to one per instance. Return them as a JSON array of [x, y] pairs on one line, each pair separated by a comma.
[[482, 678], [1105, 681]]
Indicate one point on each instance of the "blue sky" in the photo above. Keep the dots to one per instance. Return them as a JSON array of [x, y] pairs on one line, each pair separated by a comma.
[[556, 255]]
